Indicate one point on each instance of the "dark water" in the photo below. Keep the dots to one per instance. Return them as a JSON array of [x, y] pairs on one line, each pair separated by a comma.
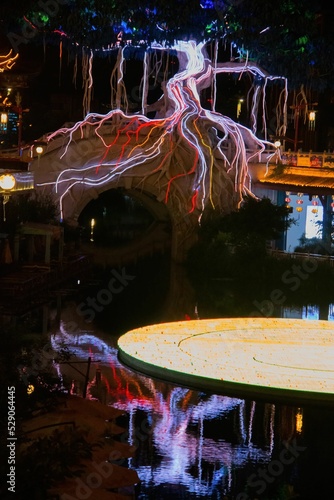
[[189, 444]]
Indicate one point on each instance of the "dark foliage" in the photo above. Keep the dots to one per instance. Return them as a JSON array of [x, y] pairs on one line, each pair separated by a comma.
[[291, 38]]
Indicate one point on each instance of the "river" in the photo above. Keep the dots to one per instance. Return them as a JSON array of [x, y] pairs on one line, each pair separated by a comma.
[[190, 444]]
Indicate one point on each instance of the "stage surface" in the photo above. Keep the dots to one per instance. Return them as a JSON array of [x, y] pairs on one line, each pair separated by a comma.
[[272, 358]]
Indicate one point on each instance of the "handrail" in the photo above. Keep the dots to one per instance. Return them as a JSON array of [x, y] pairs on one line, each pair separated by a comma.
[[302, 255]]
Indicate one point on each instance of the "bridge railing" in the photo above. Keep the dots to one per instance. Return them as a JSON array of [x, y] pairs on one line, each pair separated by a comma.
[[289, 158], [298, 159], [281, 254]]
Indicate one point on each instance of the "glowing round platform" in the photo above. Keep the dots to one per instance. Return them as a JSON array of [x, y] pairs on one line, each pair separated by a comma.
[[252, 357]]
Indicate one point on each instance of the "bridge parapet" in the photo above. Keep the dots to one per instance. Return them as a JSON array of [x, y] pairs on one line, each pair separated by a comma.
[[296, 158]]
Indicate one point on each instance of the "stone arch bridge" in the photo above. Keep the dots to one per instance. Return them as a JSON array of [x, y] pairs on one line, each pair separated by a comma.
[[75, 172]]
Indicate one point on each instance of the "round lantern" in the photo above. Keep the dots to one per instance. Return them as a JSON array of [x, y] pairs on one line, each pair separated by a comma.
[[299, 209], [7, 181]]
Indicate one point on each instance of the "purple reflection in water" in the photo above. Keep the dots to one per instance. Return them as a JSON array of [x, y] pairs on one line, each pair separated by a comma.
[[187, 442]]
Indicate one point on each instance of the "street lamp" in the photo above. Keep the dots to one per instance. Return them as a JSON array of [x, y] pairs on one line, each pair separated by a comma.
[[40, 147], [7, 183]]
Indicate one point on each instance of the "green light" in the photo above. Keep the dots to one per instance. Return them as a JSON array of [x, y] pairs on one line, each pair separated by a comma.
[[44, 17]]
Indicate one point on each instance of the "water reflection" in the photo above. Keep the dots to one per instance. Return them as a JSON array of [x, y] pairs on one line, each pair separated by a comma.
[[188, 444]]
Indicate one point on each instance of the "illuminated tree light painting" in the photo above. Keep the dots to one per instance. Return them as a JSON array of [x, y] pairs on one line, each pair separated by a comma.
[[182, 148], [198, 157]]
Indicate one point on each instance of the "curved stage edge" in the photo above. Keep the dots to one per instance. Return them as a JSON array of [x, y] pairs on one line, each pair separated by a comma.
[[272, 359]]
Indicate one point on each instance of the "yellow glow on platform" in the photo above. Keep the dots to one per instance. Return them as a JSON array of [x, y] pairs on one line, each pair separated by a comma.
[[295, 357]]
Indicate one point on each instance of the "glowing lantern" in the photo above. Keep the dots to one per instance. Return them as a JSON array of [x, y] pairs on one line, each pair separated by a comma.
[[40, 147], [299, 421], [311, 120], [300, 202], [299, 209], [7, 181], [314, 210], [30, 389], [287, 199], [3, 122]]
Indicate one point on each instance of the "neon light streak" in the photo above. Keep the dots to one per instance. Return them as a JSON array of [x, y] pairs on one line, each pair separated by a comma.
[[7, 61]]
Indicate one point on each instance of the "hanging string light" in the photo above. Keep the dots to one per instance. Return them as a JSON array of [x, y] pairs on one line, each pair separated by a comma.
[[315, 200]]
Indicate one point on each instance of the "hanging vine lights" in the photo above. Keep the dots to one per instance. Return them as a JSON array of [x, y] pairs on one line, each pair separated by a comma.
[[184, 143], [287, 199]]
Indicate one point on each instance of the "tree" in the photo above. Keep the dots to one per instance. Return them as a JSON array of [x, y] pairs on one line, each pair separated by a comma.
[[241, 233], [261, 219], [30, 207], [174, 128]]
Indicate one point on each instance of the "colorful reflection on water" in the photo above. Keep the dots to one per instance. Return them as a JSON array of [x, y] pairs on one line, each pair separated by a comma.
[[195, 445]]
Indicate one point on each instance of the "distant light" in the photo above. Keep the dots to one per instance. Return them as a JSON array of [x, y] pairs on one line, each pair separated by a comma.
[[92, 225], [39, 150], [30, 389], [3, 122], [299, 421], [311, 116]]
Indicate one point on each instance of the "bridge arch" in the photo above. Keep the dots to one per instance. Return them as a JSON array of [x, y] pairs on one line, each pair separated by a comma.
[[73, 183]]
